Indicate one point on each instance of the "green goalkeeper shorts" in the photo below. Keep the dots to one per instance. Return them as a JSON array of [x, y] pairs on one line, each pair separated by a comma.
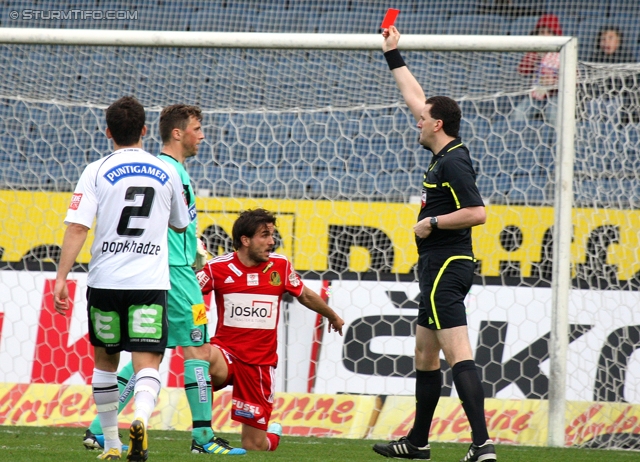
[[185, 309]]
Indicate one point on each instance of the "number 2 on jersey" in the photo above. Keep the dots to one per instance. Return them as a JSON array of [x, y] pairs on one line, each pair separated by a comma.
[[142, 211]]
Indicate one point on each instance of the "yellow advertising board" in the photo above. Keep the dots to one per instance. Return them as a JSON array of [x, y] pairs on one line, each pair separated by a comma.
[[306, 414], [341, 416], [301, 414], [522, 422], [33, 219], [512, 421]]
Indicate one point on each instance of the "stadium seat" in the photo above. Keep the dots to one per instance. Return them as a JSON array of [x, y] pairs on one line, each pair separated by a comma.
[[494, 188], [17, 174], [323, 183], [523, 25], [349, 17], [475, 24], [384, 185], [294, 17], [258, 182], [627, 8], [532, 189], [220, 16], [423, 18], [603, 192]]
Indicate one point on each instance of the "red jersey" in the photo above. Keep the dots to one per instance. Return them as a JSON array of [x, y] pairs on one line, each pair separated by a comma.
[[247, 300]]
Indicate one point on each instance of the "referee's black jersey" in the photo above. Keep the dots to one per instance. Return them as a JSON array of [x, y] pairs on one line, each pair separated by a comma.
[[448, 185]]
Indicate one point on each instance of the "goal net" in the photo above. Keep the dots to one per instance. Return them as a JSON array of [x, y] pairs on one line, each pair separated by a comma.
[[323, 139]]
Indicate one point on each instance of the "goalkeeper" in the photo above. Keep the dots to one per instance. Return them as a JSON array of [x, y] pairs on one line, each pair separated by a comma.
[[181, 133], [451, 206]]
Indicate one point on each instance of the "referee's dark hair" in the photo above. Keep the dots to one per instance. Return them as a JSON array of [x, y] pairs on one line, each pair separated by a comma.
[[177, 116], [445, 109], [248, 224], [125, 119]]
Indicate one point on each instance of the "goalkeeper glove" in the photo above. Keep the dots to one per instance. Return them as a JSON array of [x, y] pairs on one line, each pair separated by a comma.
[[201, 256]]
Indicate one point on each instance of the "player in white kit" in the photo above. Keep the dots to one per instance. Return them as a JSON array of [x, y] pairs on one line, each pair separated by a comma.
[[134, 197]]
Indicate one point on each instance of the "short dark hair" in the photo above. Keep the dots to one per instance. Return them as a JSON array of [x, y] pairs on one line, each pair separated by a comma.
[[615, 29], [177, 116], [125, 119], [248, 224], [445, 109]]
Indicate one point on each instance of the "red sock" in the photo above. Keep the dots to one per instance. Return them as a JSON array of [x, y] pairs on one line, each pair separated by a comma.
[[274, 441]]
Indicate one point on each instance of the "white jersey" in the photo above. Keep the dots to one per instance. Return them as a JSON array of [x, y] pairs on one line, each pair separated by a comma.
[[133, 196]]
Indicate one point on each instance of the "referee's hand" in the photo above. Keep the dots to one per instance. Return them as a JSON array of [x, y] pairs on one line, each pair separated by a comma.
[[422, 228], [391, 38]]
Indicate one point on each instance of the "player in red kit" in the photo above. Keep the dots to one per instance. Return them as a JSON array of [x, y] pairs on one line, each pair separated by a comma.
[[248, 285]]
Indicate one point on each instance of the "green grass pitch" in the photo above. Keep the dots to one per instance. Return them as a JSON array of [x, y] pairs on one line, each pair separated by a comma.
[[56, 444]]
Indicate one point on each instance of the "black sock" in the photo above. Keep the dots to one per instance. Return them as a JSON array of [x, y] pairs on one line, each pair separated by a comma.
[[428, 388], [469, 387]]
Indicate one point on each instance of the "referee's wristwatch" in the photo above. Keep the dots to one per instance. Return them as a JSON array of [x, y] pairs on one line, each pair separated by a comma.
[[434, 222]]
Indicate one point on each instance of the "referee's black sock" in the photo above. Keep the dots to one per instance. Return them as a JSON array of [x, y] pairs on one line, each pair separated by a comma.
[[469, 387], [428, 388]]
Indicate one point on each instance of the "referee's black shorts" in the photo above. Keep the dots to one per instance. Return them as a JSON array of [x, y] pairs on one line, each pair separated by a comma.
[[445, 281], [129, 320]]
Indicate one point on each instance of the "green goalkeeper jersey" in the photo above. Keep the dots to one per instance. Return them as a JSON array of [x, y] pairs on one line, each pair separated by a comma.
[[182, 246]]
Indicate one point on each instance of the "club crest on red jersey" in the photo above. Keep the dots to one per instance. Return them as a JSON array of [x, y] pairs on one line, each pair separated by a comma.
[[274, 278]]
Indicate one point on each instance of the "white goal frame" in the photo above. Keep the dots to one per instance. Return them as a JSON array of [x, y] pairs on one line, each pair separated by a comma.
[[568, 48]]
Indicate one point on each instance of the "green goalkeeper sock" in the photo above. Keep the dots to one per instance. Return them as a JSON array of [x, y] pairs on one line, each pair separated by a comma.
[[197, 385], [125, 390]]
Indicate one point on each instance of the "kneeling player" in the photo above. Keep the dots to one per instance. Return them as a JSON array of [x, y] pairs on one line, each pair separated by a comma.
[[248, 285]]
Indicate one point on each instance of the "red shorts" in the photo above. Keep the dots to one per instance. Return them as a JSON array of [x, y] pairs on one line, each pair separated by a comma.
[[253, 390]]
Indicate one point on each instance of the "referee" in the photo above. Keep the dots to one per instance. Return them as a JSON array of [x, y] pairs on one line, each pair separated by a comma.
[[451, 206]]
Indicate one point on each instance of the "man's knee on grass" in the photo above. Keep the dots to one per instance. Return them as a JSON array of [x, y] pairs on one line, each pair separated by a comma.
[[254, 439]]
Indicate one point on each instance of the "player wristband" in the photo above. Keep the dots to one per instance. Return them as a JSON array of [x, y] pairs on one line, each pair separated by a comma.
[[394, 60]]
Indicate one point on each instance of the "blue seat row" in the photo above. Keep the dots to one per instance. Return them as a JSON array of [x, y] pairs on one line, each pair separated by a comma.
[[355, 153], [417, 17]]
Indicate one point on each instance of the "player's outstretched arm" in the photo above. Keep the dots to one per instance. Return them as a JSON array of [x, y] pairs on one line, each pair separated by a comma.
[[312, 300], [411, 90], [74, 237]]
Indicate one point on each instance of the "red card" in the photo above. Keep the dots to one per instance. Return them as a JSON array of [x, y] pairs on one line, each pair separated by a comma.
[[389, 18]]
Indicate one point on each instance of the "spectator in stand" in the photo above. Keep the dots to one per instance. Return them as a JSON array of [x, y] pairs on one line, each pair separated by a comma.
[[614, 92], [542, 101], [610, 47]]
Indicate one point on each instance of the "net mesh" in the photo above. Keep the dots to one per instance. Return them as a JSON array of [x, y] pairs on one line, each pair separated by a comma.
[[313, 124]]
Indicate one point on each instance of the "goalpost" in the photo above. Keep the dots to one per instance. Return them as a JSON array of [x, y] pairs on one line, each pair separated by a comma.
[[322, 112]]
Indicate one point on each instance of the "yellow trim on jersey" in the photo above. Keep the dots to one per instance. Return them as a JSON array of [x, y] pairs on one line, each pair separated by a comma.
[[456, 146], [435, 285], [453, 193]]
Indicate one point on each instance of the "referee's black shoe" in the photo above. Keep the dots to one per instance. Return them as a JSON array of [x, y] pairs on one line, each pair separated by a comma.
[[485, 452], [403, 449]]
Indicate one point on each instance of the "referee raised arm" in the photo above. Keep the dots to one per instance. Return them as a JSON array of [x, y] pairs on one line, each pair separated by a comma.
[[451, 206]]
